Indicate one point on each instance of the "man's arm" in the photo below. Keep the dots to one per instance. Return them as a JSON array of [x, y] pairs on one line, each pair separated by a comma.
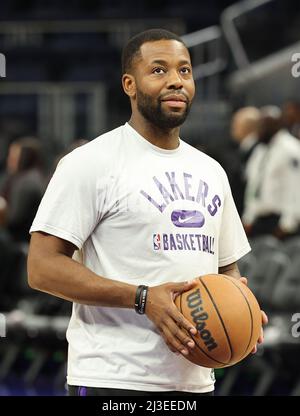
[[230, 270], [51, 269]]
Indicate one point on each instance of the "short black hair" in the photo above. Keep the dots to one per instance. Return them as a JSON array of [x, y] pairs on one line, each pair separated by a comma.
[[132, 48]]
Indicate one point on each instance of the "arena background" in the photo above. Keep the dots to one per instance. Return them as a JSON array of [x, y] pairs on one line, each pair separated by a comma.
[[60, 82]]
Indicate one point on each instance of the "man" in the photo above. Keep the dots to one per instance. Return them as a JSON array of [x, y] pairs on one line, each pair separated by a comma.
[[244, 125], [22, 187], [136, 202], [271, 201], [291, 117]]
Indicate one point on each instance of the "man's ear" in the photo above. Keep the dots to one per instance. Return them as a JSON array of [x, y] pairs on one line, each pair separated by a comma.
[[129, 85]]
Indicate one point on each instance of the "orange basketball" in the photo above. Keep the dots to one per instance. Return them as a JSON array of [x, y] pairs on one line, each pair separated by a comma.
[[227, 317]]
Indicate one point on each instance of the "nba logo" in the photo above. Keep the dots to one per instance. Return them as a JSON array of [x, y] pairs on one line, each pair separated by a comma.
[[156, 241]]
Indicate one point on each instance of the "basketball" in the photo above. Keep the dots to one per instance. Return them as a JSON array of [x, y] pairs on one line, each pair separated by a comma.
[[227, 317]]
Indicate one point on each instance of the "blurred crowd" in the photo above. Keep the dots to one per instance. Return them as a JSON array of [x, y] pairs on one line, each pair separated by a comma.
[[266, 174], [22, 185]]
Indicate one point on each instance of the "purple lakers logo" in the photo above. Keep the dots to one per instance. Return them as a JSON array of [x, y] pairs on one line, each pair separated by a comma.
[[187, 219], [156, 242]]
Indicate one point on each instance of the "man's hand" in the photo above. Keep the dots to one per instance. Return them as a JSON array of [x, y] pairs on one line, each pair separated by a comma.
[[162, 311], [260, 340], [264, 320]]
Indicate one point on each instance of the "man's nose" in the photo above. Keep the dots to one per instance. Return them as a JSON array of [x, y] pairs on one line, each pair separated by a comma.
[[174, 80]]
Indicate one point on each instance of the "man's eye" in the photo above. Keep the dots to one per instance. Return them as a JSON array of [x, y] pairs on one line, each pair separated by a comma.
[[158, 71], [185, 70]]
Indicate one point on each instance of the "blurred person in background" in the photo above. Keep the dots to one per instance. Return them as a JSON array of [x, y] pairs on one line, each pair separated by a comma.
[[21, 187], [273, 175], [291, 117], [244, 132]]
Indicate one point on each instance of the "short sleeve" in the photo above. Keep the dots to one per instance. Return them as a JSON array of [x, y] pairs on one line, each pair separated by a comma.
[[70, 208], [233, 242]]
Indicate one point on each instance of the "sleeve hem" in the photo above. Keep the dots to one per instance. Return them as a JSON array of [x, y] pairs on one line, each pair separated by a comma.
[[228, 260], [57, 232]]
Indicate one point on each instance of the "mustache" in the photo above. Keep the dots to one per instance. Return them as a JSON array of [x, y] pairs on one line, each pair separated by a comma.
[[174, 93]]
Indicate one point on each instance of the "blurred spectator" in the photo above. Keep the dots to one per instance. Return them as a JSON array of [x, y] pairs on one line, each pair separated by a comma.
[[244, 125], [291, 117], [21, 187], [272, 203], [3, 211]]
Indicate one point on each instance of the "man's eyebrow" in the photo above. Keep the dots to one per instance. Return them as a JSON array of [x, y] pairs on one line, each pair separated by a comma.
[[163, 62]]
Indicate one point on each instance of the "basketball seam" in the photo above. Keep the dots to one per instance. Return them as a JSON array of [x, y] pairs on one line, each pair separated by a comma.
[[198, 346], [249, 312], [219, 315]]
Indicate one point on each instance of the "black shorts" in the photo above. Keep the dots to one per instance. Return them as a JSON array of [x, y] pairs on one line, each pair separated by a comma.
[[99, 391]]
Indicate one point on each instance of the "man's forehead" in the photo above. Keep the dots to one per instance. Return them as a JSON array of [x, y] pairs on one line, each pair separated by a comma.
[[164, 50]]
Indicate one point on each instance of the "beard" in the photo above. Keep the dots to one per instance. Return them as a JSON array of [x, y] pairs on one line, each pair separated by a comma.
[[152, 111]]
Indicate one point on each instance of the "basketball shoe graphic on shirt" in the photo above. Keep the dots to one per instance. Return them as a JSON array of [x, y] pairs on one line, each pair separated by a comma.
[[187, 219]]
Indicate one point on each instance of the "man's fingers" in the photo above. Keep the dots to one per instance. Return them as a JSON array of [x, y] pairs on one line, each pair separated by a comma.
[[182, 322], [169, 345], [259, 341], [264, 318], [254, 349], [178, 288], [182, 335], [244, 280], [174, 343], [261, 337]]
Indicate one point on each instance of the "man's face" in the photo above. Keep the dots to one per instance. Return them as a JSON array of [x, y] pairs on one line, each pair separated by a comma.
[[236, 128], [164, 83], [290, 115]]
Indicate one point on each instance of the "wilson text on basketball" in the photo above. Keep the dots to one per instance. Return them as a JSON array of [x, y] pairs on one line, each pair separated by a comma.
[[199, 318]]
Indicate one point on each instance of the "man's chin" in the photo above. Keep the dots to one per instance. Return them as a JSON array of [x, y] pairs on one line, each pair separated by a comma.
[[174, 120]]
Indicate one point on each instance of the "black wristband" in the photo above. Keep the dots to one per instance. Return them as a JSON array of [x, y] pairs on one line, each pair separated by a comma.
[[140, 299]]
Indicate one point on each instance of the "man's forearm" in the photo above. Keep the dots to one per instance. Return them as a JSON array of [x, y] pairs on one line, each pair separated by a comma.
[[62, 276]]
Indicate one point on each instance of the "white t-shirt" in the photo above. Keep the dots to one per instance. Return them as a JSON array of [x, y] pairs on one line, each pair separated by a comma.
[[141, 215]]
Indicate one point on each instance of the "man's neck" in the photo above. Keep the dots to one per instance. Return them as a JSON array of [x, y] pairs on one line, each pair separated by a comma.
[[164, 138]]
